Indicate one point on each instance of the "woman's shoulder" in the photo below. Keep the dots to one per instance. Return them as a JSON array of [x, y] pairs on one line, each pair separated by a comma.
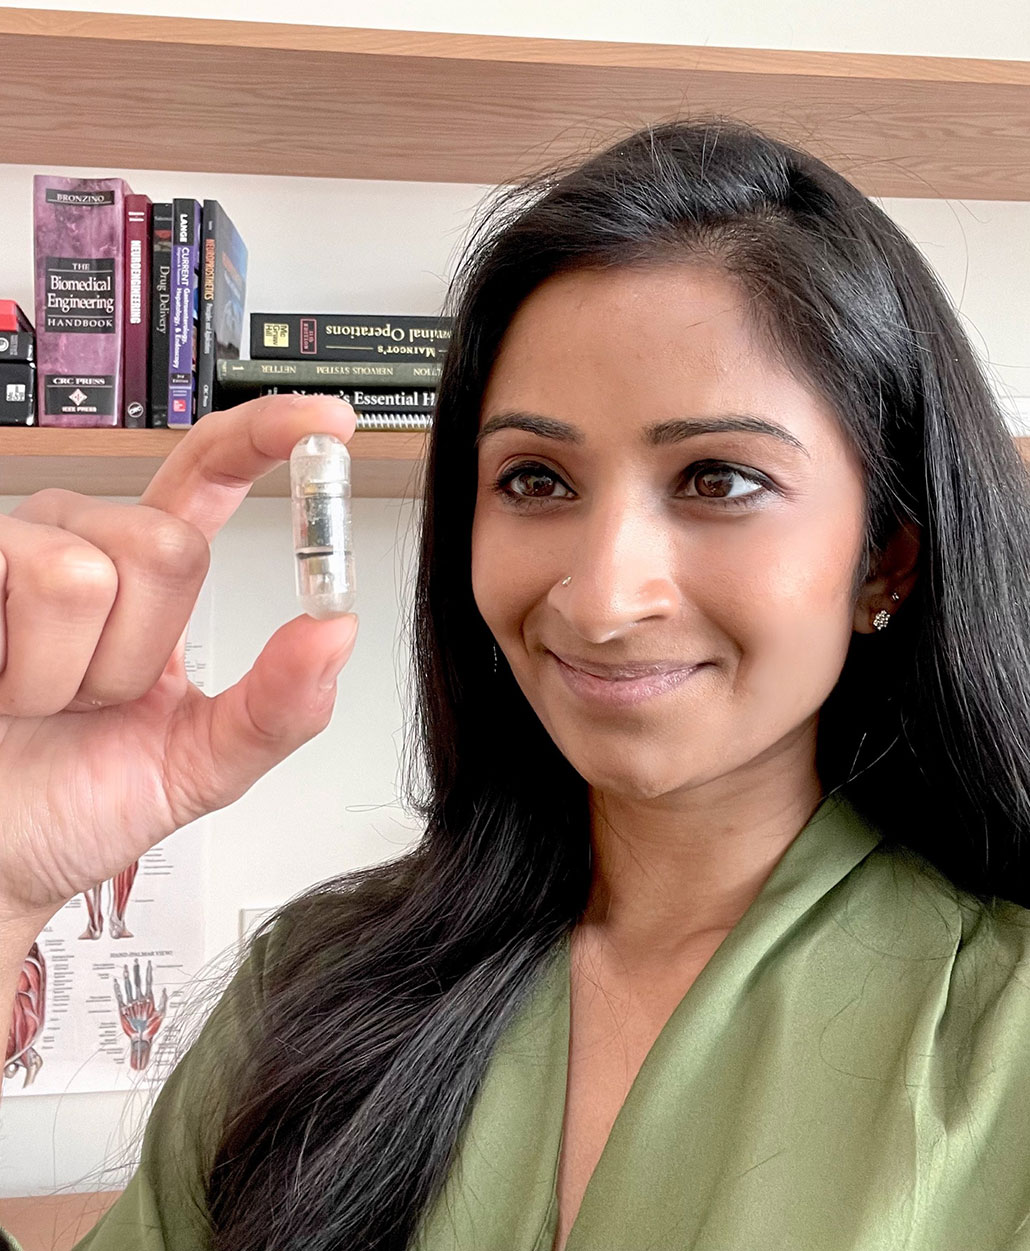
[[979, 944]]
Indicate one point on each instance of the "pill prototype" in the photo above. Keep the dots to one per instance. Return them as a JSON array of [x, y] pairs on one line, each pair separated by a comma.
[[320, 502]]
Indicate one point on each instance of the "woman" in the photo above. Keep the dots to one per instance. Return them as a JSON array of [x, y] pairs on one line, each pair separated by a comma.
[[721, 647]]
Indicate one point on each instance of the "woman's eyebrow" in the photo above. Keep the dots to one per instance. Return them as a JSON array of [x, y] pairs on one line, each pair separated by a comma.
[[658, 434]]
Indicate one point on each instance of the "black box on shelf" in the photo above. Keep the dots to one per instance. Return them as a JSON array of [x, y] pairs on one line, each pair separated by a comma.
[[17, 393], [17, 338]]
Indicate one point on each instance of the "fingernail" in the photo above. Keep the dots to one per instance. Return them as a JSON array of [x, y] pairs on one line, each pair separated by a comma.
[[331, 673], [335, 664]]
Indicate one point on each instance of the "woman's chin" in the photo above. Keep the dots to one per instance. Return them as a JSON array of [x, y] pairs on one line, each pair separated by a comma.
[[619, 778]]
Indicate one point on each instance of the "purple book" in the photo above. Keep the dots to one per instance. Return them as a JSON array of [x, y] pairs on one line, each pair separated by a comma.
[[182, 349], [79, 233], [137, 311]]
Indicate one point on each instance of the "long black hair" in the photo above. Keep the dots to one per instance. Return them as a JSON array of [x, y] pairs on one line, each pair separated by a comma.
[[392, 984]]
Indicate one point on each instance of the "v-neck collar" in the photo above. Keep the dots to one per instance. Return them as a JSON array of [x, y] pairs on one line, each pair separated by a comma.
[[502, 1188], [835, 839]]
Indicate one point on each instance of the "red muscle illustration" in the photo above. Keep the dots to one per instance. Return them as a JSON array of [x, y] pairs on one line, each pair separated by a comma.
[[140, 1019], [28, 1019], [121, 886], [96, 917]]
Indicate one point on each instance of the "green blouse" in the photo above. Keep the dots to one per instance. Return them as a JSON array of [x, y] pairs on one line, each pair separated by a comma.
[[849, 1072]]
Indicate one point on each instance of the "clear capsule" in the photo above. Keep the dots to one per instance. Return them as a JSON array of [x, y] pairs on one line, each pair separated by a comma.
[[320, 503]]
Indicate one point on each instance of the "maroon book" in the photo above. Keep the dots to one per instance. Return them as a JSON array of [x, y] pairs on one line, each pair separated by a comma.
[[135, 403], [80, 253]]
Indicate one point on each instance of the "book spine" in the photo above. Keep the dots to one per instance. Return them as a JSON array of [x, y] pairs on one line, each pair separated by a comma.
[[348, 336], [17, 393], [381, 421], [160, 313], [223, 284], [309, 373], [138, 247], [206, 326], [17, 345], [79, 237], [182, 352], [396, 399]]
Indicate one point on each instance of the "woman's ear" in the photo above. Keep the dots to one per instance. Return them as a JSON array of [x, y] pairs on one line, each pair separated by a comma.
[[895, 575]]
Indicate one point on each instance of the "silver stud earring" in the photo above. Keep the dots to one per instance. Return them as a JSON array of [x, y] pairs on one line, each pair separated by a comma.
[[882, 618]]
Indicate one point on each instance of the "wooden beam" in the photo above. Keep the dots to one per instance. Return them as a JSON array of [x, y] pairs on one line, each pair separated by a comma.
[[324, 101]]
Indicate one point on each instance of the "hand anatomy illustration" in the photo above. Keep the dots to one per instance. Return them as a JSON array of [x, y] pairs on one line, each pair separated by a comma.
[[140, 1019], [121, 885], [29, 1017]]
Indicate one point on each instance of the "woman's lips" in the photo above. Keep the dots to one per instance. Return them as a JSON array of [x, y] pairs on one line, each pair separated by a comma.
[[620, 692]]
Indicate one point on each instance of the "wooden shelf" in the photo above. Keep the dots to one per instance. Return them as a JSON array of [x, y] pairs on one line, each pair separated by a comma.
[[385, 465], [326, 101], [122, 462]]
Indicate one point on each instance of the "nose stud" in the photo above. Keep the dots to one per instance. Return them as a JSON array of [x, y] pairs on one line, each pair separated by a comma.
[[566, 581]]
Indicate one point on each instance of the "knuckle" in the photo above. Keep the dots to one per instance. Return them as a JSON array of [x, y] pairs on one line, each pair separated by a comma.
[[56, 497], [77, 573], [49, 497], [40, 504], [176, 548]]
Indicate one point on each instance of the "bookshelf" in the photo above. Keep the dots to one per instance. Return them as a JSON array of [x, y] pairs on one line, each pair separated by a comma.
[[326, 101], [386, 465]]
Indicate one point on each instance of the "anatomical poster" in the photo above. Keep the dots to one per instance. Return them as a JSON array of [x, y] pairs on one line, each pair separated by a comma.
[[101, 985]]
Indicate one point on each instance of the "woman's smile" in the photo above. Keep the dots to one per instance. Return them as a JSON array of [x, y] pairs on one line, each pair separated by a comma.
[[620, 692]]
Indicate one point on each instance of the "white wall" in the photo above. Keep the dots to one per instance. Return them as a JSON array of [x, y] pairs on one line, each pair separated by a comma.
[[962, 28], [391, 247]]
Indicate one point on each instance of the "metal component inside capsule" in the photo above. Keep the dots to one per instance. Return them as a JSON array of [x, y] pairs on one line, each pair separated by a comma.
[[320, 504]]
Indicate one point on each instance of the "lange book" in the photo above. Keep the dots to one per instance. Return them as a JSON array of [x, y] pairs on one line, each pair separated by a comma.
[[311, 373], [137, 311], [348, 336], [223, 289], [182, 350], [79, 233], [160, 312]]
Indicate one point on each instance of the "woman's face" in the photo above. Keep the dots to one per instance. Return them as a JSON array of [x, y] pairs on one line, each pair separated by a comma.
[[726, 553]]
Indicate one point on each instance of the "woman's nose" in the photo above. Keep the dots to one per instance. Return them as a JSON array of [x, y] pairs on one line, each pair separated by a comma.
[[621, 562]]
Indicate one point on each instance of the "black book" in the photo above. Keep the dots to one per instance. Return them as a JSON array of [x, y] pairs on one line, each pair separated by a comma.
[[223, 287], [160, 313], [349, 336]]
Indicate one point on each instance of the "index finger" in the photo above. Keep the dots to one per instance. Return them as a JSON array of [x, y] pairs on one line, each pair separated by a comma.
[[206, 475]]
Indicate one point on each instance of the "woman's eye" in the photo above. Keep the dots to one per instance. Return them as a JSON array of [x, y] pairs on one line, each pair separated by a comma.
[[716, 481], [530, 482]]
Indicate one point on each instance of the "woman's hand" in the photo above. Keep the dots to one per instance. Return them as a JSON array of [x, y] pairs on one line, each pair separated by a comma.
[[105, 746]]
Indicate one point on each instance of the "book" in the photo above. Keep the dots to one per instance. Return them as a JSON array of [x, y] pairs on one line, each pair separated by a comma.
[[17, 393], [182, 349], [17, 337], [348, 336], [223, 288], [369, 419], [160, 312], [309, 373], [79, 241], [135, 400], [361, 399]]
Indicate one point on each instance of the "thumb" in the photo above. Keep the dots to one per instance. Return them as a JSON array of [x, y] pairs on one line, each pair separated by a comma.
[[285, 700]]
